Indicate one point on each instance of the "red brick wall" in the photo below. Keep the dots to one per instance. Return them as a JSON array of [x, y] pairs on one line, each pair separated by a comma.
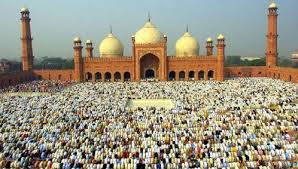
[[245, 71], [54, 74], [283, 73], [8, 79]]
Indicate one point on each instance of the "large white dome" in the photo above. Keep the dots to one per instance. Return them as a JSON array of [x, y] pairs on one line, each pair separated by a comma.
[[111, 47], [149, 34], [187, 46]]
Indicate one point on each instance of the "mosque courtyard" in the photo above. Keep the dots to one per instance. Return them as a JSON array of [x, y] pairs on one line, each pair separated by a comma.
[[238, 123]]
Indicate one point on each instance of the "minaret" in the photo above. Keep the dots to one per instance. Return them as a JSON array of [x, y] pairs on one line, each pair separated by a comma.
[[209, 46], [27, 53], [220, 57], [89, 49], [78, 60], [271, 52]]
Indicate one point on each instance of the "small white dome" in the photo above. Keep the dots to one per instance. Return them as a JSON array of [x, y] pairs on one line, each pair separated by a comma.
[[209, 39], [24, 9], [88, 41], [220, 37], [111, 47], [273, 5], [187, 46], [76, 39], [149, 34]]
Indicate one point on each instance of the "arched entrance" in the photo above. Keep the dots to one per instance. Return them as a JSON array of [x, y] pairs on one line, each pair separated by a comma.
[[108, 76], [149, 66], [201, 75], [181, 75], [211, 75], [117, 76], [98, 76], [126, 76], [88, 76], [172, 75], [149, 74], [191, 75]]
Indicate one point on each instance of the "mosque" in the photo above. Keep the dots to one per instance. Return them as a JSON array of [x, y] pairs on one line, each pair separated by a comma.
[[150, 59]]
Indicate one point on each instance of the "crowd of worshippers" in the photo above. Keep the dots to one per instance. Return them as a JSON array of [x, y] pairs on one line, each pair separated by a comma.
[[238, 123], [38, 86]]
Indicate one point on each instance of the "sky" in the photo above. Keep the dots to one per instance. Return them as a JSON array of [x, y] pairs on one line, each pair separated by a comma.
[[54, 24]]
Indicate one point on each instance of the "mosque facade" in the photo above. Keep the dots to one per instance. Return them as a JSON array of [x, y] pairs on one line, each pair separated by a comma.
[[150, 59]]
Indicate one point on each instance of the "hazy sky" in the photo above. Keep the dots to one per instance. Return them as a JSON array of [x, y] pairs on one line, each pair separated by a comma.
[[55, 23]]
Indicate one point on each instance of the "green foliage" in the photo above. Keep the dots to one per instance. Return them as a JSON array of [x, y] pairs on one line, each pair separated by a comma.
[[284, 62], [53, 63], [236, 61], [295, 65], [233, 60]]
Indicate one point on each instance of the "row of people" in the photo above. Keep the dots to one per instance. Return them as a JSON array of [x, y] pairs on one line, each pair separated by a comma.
[[238, 123]]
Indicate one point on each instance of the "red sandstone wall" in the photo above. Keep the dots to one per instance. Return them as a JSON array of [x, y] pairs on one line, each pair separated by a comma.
[[283, 73], [108, 65], [14, 78], [196, 64], [245, 71], [54, 74]]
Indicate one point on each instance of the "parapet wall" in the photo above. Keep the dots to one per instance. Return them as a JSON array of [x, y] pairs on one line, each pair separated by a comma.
[[283, 73], [13, 78], [245, 71], [67, 74]]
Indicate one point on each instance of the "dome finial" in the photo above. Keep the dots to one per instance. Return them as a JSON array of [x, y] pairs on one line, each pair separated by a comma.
[[273, 5], [149, 17], [111, 29], [186, 28], [24, 9]]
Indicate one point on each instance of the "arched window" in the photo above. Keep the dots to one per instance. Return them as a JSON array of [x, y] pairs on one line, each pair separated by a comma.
[[181, 75], [191, 75], [172, 75], [126, 76], [201, 75]]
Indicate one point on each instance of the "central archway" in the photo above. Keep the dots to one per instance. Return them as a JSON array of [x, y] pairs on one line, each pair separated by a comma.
[[149, 66]]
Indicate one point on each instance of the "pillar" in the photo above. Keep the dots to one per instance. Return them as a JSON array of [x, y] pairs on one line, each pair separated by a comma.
[[136, 72], [163, 64], [271, 51], [177, 75], [206, 75], [186, 75], [27, 52], [78, 60], [93, 78], [196, 76], [220, 58]]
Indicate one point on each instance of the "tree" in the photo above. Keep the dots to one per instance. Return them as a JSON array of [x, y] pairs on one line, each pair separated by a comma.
[[53, 63]]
